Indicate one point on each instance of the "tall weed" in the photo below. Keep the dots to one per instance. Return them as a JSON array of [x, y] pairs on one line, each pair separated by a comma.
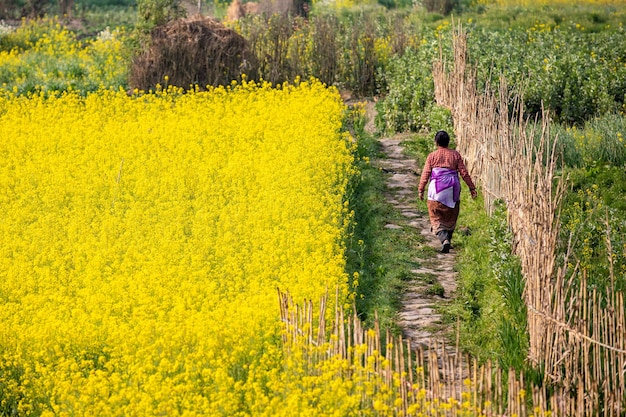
[[349, 49], [594, 226], [600, 141]]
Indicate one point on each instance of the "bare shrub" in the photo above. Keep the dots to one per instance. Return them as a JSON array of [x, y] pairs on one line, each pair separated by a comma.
[[251, 8], [65, 7], [325, 63], [193, 52], [443, 7], [269, 39], [237, 9], [360, 76]]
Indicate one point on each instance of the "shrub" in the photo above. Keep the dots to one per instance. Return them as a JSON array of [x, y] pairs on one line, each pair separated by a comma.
[[409, 98], [152, 13], [574, 74], [443, 7]]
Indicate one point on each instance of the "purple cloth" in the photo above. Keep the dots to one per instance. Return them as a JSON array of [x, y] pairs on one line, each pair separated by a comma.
[[444, 186]]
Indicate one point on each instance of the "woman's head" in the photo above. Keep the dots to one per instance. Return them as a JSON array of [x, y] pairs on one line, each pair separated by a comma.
[[442, 138]]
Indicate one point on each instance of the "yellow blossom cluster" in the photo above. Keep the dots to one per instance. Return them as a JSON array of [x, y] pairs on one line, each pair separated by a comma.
[[143, 240]]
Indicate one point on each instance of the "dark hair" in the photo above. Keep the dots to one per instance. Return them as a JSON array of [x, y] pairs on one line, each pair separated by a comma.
[[442, 138]]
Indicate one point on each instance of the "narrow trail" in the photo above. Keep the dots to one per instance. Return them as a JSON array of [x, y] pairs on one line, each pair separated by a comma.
[[418, 317]]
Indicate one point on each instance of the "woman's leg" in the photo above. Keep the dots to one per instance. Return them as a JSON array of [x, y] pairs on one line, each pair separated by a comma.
[[443, 221]]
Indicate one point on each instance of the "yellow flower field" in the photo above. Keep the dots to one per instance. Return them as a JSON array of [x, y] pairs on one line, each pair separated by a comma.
[[144, 238]]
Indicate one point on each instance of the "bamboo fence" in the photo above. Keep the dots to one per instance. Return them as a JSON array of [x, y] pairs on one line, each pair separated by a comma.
[[430, 381], [577, 336]]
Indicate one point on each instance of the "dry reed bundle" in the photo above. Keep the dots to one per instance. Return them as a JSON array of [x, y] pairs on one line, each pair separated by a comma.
[[577, 338], [192, 52]]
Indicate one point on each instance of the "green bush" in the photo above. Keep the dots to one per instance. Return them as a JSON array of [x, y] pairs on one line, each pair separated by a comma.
[[27, 35], [104, 4], [152, 13], [394, 4], [409, 98], [574, 72]]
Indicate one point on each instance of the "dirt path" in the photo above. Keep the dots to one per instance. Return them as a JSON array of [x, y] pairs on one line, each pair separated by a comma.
[[418, 317]]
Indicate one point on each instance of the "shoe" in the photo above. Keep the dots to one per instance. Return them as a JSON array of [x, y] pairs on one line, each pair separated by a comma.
[[446, 246]]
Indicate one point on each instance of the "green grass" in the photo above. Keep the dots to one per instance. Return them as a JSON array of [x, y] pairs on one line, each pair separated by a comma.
[[596, 200], [593, 17], [382, 257], [601, 141], [489, 299]]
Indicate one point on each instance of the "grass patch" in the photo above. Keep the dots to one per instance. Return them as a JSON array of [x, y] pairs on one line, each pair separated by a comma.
[[436, 289], [381, 258], [95, 19], [594, 203], [489, 300], [591, 16], [426, 277]]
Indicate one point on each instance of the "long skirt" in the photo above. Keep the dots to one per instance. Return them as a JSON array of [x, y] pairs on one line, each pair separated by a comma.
[[443, 219]]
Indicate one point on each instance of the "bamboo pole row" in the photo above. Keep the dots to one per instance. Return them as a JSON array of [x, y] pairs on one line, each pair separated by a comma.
[[434, 379], [576, 337]]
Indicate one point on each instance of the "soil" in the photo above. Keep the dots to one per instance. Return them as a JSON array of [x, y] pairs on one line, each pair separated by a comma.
[[418, 317]]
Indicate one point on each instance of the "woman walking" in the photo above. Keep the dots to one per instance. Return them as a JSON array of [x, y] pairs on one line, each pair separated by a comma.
[[442, 168]]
